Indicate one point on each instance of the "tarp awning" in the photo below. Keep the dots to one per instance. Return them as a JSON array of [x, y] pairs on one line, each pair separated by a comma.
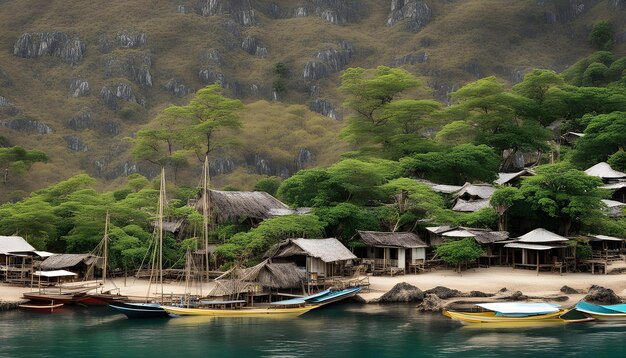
[[55, 273], [528, 308]]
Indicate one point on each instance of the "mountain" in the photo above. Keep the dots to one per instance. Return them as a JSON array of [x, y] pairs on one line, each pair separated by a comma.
[[79, 78]]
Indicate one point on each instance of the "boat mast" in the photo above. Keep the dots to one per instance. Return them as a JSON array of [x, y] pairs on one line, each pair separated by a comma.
[[106, 241], [161, 207], [206, 212]]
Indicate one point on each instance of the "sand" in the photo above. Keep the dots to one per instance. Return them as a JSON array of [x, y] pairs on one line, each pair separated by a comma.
[[489, 280]]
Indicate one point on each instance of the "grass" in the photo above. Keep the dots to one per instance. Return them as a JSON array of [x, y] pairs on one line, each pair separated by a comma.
[[498, 35]]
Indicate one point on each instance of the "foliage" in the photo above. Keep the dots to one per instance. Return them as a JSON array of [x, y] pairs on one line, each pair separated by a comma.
[[269, 185], [617, 161], [342, 221], [502, 199], [604, 135], [583, 251], [458, 165], [601, 36], [18, 160], [458, 252]]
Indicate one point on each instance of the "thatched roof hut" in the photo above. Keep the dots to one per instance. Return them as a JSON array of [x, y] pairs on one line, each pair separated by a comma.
[[62, 261], [469, 206], [603, 170], [391, 239], [482, 236], [284, 275], [328, 250], [541, 235], [476, 191], [233, 205]]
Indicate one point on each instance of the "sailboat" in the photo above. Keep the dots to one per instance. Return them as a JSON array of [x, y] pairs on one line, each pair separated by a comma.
[[103, 297], [150, 309]]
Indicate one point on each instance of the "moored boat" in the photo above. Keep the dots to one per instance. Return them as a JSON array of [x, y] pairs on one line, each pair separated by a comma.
[[509, 312], [140, 310], [603, 312], [41, 307], [59, 297]]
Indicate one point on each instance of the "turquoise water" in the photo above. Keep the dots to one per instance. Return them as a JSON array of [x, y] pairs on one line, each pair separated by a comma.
[[333, 331]]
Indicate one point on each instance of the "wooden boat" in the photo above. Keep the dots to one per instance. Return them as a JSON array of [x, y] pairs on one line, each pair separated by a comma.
[[42, 308], [140, 310], [102, 299], [509, 312], [603, 312], [272, 310], [59, 297]]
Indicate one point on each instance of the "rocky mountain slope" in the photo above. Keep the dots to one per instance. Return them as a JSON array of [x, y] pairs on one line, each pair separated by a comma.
[[78, 78]]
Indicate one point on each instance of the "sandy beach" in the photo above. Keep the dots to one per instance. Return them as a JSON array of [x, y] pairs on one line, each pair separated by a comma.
[[489, 280]]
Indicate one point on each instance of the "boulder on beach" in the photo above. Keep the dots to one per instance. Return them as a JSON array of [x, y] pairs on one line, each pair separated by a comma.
[[601, 295], [431, 303], [570, 291], [514, 296], [443, 292], [402, 292], [479, 294]]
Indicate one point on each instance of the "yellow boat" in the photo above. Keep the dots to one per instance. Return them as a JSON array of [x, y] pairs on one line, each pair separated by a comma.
[[240, 312], [511, 312]]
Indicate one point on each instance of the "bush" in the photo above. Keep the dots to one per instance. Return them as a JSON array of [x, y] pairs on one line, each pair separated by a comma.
[[601, 36], [458, 252], [269, 185]]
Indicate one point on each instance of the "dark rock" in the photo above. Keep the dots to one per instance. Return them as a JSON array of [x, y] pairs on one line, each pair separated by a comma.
[[473, 66], [127, 39], [416, 13], [108, 98], [240, 10], [356, 299], [82, 120], [221, 165], [315, 70], [212, 56], [570, 291], [177, 88], [108, 128], [181, 9], [74, 143], [4, 102], [135, 66], [57, 44], [503, 289], [442, 91], [111, 94], [410, 59], [443, 292], [565, 11], [479, 294], [251, 46], [601, 295], [209, 76], [274, 11], [104, 44], [517, 296], [402, 292], [337, 12], [263, 165], [431, 303], [304, 156], [28, 125], [325, 108], [79, 87]]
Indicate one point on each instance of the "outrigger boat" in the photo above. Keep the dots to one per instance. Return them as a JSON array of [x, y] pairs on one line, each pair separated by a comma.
[[603, 312], [511, 312], [287, 308]]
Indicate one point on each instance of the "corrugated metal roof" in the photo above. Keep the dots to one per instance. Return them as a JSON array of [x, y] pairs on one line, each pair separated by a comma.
[[14, 244]]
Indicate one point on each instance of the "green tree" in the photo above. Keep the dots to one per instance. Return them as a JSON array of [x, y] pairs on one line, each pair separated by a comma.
[[617, 161], [601, 36], [595, 75], [604, 135], [18, 160], [460, 164], [502, 199], [459, 252], [269, 185], [567, 195], [342, 221]]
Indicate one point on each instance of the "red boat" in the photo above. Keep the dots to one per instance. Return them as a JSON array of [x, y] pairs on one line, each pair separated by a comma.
[[42, 308], [101, 299], [58, 298]]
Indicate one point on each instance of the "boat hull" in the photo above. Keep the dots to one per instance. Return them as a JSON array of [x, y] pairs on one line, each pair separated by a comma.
[[140, 310], [491, 317], [102, 299], [56, 298], [42, 308], [601, 313], [243, 312]]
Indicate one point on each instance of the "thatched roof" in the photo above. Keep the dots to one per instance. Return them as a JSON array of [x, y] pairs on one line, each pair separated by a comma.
[[271, 275], [391, 239], [327, 250], [446, 189], [504, 178], [14, 244], [540, 236], [61, 261], [228, 205], [475, 191], [470, 205], [603, 170]]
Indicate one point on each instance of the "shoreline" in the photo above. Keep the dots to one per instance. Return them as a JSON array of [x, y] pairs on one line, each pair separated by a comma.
[[488, 280]]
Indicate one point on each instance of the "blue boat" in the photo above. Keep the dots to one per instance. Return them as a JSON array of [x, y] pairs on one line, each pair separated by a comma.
[[320, 298], [603, 312], [140, 310]]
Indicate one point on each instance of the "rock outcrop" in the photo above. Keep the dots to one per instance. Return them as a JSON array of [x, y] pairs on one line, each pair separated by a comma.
[[304, 157], [415, 13], [325, 108], [336, 12], [28, 125], [410, 59], [83, 120], [209, 76], [177, 88], [128, 39], [134, 66], [240, 10], [79, 87], [570, 291], [111, 94], [431, 303], [74, 143], [443, 292], [251, 46], [603, 296], [328, 61], [68, 48], [565, 11], [402, 292]]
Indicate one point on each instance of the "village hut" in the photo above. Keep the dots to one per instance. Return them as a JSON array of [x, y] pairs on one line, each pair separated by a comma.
[[391, 252], [618, 189], [319, 258], [572, 137], [614, 209], [541, 248], [512, 178], [603, 170], [605, 247], [239, 205], [16, 258], [86, 266], [473, 197], [490, 241]]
